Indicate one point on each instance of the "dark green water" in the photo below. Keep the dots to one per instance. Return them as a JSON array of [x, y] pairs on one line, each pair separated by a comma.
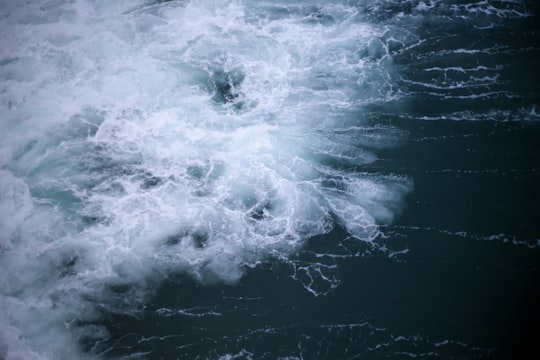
[[467, 287], [281, 180], [466, 283]]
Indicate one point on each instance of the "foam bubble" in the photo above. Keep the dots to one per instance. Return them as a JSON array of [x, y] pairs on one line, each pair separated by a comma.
[[152, 138]]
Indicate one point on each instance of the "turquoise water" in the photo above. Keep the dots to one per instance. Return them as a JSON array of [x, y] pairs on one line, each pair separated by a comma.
[[244, 179]]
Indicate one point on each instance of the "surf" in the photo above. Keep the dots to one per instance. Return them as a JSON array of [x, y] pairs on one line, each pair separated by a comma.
[[143, 139]]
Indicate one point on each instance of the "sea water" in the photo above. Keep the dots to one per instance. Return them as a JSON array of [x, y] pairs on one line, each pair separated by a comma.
[[193, 179]]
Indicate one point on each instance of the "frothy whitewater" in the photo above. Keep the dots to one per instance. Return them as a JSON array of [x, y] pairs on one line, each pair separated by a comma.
[[140, 139]]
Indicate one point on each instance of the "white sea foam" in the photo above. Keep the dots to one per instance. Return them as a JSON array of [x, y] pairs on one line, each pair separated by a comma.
[[140, 139]]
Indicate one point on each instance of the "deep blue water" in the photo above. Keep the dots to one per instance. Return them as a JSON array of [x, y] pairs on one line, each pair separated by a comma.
[[269, 180]]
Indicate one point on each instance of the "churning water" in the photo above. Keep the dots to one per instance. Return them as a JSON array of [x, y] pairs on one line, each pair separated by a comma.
[[149, 148]]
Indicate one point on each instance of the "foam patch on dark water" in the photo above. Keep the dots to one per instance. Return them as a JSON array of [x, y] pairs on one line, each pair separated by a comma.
[[150, 138]]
